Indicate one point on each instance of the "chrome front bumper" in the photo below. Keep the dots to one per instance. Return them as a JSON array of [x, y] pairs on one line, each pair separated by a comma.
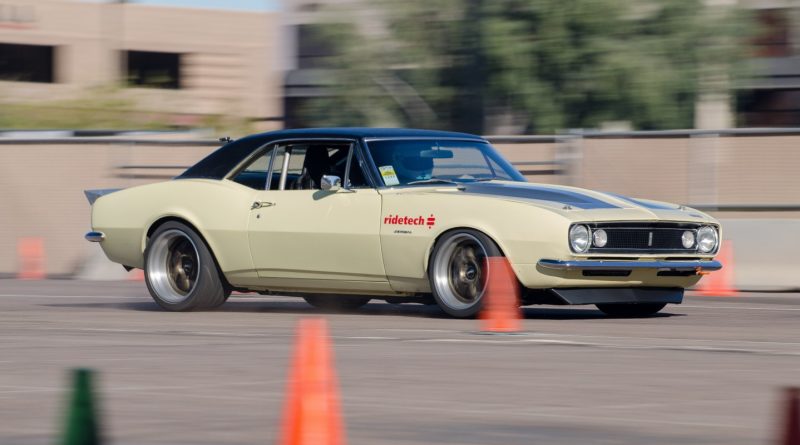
[[678, 266]]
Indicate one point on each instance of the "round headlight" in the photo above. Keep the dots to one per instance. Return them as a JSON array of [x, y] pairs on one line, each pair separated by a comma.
[[707, 239], [600, 238], [687, 239], [579, 238]]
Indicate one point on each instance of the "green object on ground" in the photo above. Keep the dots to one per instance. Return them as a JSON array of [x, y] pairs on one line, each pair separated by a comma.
[[82, 425]]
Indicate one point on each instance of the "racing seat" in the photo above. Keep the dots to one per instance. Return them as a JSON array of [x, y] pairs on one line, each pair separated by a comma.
[[315, 165]]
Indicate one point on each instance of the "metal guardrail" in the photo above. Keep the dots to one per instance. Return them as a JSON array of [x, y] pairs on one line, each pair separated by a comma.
[[576, 135], [746, 207], [111, 141], [99, 137], [649, 134], [558, 167]]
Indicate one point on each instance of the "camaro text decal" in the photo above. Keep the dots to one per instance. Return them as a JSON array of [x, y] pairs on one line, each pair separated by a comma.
[[398, 220]]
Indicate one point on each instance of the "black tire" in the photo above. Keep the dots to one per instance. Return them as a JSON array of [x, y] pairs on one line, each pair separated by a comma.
[[336, 303], [456, 271], [180, 271], [630, 309]]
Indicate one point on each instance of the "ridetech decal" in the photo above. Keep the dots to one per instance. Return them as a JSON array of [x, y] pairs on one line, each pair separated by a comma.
[[397, 220]]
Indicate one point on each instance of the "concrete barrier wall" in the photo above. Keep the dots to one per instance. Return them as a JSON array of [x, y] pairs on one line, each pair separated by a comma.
[[765, 252], [41, 192], [42, 183], [741, 171]]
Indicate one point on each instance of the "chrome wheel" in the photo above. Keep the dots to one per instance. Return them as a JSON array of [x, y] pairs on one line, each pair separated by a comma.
[[173, 266], [459, 269]]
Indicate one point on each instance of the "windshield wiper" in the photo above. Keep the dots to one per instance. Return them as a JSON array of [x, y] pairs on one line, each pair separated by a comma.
[[432, 181], [485, 179]]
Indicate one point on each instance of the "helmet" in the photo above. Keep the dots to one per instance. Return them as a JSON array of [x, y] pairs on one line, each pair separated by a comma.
[[410, 165]]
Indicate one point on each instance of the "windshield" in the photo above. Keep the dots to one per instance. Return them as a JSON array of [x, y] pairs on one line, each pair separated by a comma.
[[430, 161]]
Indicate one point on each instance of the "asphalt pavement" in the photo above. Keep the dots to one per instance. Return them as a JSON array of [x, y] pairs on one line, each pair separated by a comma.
[[708, 371]]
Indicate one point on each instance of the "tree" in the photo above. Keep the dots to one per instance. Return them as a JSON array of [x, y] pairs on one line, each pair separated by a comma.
[[551, 64]]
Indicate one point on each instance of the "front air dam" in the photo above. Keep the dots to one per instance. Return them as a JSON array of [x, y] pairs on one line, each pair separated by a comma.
[[620, 295]]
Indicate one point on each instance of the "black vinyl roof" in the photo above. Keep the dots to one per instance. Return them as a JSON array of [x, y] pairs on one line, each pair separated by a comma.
[[224, 159], [364, 132]]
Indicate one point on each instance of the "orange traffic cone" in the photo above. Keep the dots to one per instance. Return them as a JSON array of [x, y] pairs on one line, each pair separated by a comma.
[[30, 252], [136, 275], [501, 313], [790, 434], [312, 415], [720, 283]]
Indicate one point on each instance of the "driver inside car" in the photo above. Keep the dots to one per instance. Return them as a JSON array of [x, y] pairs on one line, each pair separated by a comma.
[[315, 165], [410, 165]]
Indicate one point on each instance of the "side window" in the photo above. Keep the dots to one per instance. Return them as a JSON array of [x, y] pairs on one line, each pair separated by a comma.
[[296, 162], [357, 178], [256, 173], [309, 162]]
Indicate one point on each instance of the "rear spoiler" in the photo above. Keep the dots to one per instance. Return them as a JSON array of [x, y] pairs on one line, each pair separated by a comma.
[[92, 195]]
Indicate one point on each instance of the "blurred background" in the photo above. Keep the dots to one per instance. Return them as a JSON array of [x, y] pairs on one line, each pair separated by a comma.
[[689, 101]]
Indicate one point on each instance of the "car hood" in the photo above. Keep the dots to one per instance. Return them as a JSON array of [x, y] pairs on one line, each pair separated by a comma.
[[582, 204]]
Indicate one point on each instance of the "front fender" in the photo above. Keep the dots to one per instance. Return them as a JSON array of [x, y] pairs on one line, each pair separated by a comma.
[[525, 233]]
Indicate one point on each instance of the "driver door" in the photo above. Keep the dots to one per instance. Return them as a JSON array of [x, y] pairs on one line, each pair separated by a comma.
[[302, 237]]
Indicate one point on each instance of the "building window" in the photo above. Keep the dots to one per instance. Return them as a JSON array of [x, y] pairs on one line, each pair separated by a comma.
[[315, 45], [27, 63], [773, 35], [151, 69], [769, 108]]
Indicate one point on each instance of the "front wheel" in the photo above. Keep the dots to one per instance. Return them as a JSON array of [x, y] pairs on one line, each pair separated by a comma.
[[458, 271], [631, 309], [180, 271]]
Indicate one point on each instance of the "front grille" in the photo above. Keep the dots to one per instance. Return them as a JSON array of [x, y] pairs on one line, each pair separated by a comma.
[[644, 237]]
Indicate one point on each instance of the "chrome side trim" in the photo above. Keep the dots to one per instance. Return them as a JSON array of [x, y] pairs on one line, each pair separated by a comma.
[[95, 237], [699, 266]]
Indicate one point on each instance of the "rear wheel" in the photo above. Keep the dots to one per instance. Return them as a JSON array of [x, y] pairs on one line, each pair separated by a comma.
[[180, 271], [336, 303], [457, 271], [631, 309]]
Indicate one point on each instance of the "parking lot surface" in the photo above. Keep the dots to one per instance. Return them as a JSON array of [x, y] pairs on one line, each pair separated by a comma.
[[705, 372]]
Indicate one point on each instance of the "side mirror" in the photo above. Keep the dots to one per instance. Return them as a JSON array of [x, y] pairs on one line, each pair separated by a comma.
[[331, 183]]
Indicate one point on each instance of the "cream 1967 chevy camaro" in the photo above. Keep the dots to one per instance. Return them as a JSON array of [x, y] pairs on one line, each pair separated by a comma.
[[341, 216]]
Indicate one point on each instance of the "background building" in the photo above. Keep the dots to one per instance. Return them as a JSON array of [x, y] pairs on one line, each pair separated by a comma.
[[772, 97], [184, 63]]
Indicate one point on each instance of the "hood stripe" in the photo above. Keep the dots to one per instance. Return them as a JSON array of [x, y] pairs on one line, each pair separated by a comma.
[[566, 197], [647, 205]]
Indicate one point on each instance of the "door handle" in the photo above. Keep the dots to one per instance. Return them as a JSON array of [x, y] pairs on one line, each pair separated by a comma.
[[261, 205]]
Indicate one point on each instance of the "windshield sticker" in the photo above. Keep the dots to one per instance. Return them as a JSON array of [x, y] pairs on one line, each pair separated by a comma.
[[388, 174]]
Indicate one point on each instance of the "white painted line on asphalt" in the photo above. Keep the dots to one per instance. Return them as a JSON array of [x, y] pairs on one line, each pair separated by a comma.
[[743, 308], [616, 337], [149, 389], [366, 338], [524, 414], [116, 297], [28, 391], [416, 330], [665, 343], [663, 347], [169, 332]]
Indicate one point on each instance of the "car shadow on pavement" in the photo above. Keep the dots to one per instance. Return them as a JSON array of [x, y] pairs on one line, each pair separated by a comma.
[[375, 308]]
